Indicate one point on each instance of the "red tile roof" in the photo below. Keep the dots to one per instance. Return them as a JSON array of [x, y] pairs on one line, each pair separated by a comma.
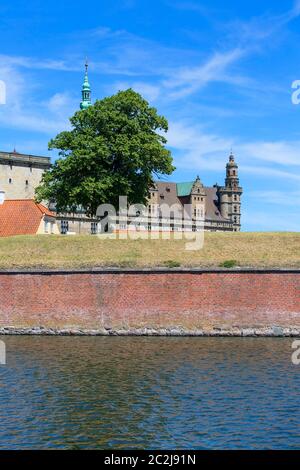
[[21, 217]]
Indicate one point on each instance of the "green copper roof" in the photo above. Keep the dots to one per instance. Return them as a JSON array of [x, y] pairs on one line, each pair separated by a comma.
[[184, 189], [86, 86], [86, 91]]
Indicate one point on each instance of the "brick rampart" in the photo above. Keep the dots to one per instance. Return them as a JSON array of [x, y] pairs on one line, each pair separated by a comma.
[[151, 302]]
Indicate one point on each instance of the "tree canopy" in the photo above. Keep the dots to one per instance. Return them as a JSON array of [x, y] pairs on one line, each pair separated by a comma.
[[114, 149]]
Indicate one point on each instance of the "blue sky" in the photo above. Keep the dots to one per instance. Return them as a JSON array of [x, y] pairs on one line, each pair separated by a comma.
[[220, 72]]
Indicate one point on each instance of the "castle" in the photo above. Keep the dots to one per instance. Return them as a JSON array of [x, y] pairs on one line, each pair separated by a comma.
[[218, 207]]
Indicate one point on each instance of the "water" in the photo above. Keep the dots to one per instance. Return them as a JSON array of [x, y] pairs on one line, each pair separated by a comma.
[[149, 393]]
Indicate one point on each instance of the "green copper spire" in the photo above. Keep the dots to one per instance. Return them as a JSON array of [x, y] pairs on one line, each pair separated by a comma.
[[86, 90]]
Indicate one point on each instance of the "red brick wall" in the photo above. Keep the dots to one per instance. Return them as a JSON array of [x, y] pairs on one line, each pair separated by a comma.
[[185, 300]]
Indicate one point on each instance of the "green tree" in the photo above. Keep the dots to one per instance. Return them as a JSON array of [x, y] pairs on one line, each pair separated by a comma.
[[114, 148]]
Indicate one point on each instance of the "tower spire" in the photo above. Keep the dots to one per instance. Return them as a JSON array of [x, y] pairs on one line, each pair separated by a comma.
[[86, 89]]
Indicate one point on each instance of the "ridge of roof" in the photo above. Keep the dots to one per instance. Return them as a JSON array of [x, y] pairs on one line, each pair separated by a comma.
[[43, 209]]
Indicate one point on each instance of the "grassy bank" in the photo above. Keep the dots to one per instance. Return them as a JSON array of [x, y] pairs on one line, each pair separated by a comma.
[[228, 249]]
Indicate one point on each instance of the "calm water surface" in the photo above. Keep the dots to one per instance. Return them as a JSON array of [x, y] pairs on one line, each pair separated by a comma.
[[153, 393]]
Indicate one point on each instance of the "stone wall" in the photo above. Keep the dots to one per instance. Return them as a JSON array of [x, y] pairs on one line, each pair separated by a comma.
[[21, 174], [194, 302]]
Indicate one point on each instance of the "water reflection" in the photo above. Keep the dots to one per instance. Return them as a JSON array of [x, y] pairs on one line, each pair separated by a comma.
[[99, 392]]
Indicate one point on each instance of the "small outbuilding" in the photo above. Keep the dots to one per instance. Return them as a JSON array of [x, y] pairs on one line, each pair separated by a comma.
[[25, 217]]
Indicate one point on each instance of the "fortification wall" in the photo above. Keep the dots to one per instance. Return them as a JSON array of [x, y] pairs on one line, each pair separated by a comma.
[[171, 302]]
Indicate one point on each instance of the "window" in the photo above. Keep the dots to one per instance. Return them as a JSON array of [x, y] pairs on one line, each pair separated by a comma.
[[10, 180], [26, 183], [94, 228], [64, 227], [46, 223]]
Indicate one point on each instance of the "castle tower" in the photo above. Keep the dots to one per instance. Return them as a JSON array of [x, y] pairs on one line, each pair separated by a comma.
[[86, 90], [230, 195], [198, 200]]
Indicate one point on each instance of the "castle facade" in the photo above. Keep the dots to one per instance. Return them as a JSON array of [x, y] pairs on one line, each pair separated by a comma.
[[218, 208]]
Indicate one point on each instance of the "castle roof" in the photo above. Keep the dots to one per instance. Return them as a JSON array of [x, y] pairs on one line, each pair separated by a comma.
[[171, 193], [184, 189], [21, 217]]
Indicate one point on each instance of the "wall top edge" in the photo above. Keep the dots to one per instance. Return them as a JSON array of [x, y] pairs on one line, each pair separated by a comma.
[[163, 270]]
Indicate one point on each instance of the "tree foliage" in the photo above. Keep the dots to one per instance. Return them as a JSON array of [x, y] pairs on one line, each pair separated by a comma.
[[114, 148]]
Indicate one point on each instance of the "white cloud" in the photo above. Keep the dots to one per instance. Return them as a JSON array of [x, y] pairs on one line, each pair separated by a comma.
[[190, 79], [198, 149], [149, 92], [278, 197], [40, 64], [22, 112], [271, 220], [61, 104], [281, 152]]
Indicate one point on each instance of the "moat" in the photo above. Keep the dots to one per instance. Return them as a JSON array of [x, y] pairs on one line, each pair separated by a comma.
[[149, 393]]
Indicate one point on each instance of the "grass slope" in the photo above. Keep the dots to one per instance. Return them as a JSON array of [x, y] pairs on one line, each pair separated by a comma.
[[246, 249]]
